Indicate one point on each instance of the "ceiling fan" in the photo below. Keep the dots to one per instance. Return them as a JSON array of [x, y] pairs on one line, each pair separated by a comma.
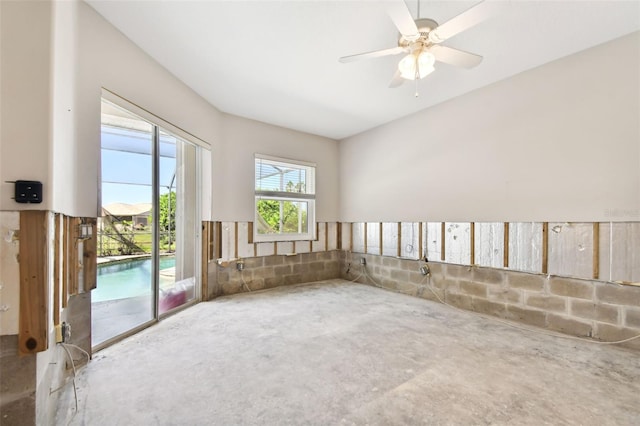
[[420, 40]]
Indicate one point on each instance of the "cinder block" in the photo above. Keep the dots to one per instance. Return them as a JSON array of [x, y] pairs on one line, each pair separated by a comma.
[[417, 278], [458, 271], [317, 266], [300, 268], [231, 288], [445, 284], [264, 272], [594, 311], [292, 279], [461, 301], [400, 276], [272, 282], [406, 287], [569, 325], [255, 284], [426, 292], [223, 277], [547, 303], [490, 308], [19, 411], [409, 265], [612, 333], [527, 316], [571, 288], [473, 288], [273, 260], [253, 262], [618, 294], [436, 268], [504, 294], [323, 255], [525, 281], [632, 317], [282, 270], [390, 262], [488, 275]]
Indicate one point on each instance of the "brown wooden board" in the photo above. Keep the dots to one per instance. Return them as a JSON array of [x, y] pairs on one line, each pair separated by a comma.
[[57, 282], [204, 268], [472, 233], [89, 261], [34, 312], [545, 247], [442, 241], [65, 260], [505, 259], [596, 250]]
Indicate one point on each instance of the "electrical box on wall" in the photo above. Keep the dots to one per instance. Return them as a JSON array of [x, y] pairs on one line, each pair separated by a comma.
[[28, 191]]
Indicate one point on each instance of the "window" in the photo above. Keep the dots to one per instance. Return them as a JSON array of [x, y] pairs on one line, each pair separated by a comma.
[[285, 200]]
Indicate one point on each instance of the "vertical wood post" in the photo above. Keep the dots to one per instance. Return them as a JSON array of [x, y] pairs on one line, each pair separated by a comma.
[[34, 297]]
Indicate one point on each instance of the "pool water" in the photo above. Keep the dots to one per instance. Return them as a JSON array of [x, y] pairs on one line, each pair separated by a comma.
[[129, 278]]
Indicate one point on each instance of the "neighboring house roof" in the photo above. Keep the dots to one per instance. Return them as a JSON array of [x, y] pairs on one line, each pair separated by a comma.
[[123, 209]]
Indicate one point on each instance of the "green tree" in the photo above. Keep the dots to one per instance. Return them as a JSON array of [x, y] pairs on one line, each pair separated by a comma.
[[167, 215]]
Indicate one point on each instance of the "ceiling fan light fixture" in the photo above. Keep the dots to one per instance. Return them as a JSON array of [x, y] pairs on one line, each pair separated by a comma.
[[416, 64]]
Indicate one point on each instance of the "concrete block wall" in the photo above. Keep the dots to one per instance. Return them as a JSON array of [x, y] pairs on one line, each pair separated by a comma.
[[600, 310], [272, 271], [17, 384]]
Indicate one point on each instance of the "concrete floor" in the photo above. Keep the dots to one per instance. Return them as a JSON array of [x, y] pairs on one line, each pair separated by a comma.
[[342, 353]]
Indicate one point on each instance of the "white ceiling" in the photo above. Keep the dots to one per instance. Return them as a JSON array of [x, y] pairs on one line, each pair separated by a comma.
[[277, 61]]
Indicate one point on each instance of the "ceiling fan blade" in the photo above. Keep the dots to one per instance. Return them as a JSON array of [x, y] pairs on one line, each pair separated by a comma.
[[456, 57], [466, 19], [396, 81], [375, 54], [403, 20]]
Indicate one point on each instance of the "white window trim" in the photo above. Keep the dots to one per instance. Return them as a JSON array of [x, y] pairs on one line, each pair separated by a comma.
[[286, 196]]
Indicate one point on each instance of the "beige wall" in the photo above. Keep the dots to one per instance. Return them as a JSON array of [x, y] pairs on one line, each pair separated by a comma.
[[243, 138], [558, 143], [25, 97]]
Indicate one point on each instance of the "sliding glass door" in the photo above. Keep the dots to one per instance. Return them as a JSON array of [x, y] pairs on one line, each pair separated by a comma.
[[147, 232]]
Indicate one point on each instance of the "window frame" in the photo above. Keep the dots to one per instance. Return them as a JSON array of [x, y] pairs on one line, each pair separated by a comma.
[[308, 197]]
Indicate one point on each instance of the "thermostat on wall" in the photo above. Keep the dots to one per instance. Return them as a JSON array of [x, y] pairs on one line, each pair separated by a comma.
[[28, 191]]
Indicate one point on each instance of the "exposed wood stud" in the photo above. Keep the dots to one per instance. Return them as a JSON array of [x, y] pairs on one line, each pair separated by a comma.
[[275, 248], [294, 246], [218, 240], [57, 282], [89, 254], [235, 232], [34, 298], [65, 261], [399, 248], [351, 237], [326, 236], [250, 232], [596, 250], [380, 235], [204, 269], [74, 269], [505, 260], [545, 247], [442, 240], [365, 238], [472, 235], [421, 253], [339, 235]]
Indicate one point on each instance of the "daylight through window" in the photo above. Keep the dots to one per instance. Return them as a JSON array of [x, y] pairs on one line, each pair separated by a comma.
[[285, 199]]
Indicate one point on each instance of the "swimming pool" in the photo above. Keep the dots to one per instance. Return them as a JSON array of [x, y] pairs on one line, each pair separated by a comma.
[[130, 278]]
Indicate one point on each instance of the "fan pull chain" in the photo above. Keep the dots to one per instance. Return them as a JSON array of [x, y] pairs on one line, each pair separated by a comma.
[[417, 94]]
